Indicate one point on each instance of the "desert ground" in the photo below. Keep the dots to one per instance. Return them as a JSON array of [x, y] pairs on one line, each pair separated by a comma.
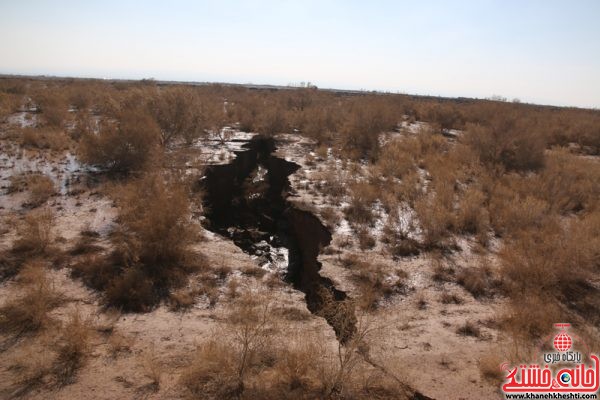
[[212, 242]]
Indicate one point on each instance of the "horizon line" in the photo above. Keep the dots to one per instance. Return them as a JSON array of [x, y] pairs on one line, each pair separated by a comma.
[[289, 86]]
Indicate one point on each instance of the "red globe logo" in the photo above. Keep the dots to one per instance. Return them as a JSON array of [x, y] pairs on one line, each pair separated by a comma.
[[562, 342]]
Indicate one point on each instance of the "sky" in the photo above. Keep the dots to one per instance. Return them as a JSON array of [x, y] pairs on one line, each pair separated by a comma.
[[539, 51]]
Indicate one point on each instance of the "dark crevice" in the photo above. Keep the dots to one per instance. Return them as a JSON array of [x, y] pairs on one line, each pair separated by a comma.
[[246, 201]]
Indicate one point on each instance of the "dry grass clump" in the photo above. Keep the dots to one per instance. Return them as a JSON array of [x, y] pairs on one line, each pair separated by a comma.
[[511, 214], [122, 148], [472, 215], [41, 188], [72, 348], [34, 239], [212, 373], [330, 216], [35, 233], [220, 369], [53, 107], [547, 274], [30, 368], [362, 198], [397, 158], [180, 114], [331, 183], [568, 183], [181, 299], [54, 359], [45, 138], [361, 129], [366, 240], [375, 285], [469, 329], [29, 311], [479, 281], [151, 248], [450, 298], [436, 221], [86, 243], [507, 142], [490, 368], [250, 360]]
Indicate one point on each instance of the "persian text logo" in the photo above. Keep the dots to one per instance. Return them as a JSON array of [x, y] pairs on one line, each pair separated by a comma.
[[562, 371]]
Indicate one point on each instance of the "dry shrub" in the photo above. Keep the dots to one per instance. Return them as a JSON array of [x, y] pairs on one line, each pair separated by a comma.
[[365, 121], [151, 249], [220, 368], [86, 244], [179, 113], [212, 373], [375, 285], [568, 183], [331, 183], [397, 158], [9, 103], [472, 216], [35, 233], [360, 210], [127, 147], [298, 370], [436, 221], [490, 368], [181, 299], [53, 107], [410, 188], [157, 214], [44, 138], [41, 187], [34, 239], [29, 312], [507, 142], [366, 240], [30, 367], [478, 281], [72, 348], [450, 298], [469, 329], [330, 216], [545, 262], [547, 275], [530, 317], [510, 214]]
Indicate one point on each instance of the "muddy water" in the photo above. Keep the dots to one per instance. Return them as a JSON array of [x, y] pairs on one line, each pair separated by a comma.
[[246, 202]]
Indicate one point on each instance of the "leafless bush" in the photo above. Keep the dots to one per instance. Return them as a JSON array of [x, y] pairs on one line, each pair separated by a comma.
[[151, 250], [35, 233], [472, 215], [53, 107], [72, 348], [29, 312], [45, 138], [127, 147], [397, 158], [178, 112], [360, 210], [507, 142], [478, 281], [469, 329]]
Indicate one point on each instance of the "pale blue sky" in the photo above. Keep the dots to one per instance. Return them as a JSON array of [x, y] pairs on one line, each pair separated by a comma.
[[541, 51]]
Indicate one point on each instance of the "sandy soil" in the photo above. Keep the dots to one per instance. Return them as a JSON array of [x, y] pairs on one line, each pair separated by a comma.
[[415, 332]]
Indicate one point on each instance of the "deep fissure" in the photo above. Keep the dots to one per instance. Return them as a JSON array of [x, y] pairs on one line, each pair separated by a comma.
[[246, 201]]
